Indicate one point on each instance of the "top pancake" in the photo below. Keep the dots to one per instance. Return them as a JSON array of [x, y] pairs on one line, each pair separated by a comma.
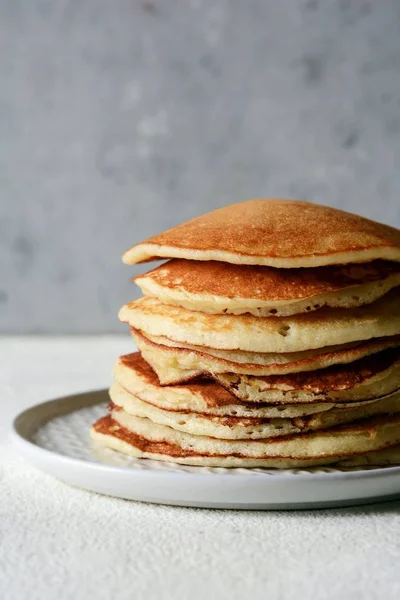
[[217, 287], [277, 233]]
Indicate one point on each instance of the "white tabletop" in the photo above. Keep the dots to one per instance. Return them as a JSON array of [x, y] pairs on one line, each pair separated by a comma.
[[65, 543]]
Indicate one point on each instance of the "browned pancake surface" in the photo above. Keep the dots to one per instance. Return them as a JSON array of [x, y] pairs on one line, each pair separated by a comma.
[[213, 394], [107, 426], [265, 283], [275, 228], [335, 378]]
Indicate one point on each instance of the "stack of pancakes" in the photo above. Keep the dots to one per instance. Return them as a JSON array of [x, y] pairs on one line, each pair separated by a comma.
[[270, 339]]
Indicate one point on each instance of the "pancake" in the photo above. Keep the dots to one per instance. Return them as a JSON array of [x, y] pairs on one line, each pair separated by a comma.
[[144, 439], [202, 396], [275, 232], [176, 362], [381, 458], [219, 288], [246, 332], [125, 404], [370, 378], [354, 382]]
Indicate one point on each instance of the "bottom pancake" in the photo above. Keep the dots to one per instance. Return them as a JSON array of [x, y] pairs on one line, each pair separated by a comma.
[[145, 439], [381, 458]]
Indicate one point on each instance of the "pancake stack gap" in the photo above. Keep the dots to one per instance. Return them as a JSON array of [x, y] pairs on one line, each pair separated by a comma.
[[270, 338]]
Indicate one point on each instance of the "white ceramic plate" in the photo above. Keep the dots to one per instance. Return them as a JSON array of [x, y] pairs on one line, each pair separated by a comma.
[[54, 437]]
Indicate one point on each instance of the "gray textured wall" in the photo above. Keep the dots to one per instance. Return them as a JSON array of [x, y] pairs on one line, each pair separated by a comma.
[[119, 119]]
